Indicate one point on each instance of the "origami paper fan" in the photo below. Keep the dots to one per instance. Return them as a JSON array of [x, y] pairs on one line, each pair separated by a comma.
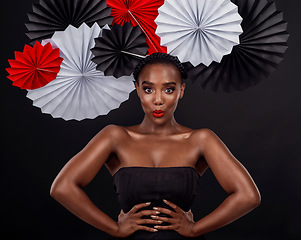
[[35, 67], [117, 51], [49, 16], [142, 13], [198, 31], [261, 49], [80, 91]]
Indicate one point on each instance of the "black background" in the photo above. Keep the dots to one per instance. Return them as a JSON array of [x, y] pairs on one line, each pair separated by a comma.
[[261, 127]]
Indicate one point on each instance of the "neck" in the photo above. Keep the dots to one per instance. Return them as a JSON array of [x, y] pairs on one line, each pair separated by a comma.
[[166, 128]]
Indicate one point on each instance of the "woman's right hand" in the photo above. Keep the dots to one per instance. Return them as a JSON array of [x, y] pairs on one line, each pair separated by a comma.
[[129, 222]]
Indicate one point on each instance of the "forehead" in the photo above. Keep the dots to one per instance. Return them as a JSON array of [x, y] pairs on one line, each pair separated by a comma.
[[160, 72]]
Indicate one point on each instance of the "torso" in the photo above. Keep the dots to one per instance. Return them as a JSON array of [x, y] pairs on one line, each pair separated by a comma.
[[148, 150]]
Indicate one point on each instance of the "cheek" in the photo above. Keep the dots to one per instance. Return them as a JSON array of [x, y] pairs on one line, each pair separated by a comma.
[[171, 102], [173, 98], [145, 100]]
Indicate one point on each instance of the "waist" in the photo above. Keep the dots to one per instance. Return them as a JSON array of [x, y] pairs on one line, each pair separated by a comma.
[[160, 235]]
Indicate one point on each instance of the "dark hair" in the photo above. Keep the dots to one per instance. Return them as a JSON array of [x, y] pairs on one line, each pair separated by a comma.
[[159, 57]]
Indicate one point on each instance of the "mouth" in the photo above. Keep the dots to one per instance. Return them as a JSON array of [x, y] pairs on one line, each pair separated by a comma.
[[158, 113]]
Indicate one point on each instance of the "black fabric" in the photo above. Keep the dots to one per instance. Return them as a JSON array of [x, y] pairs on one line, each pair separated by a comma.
[[135, 185]]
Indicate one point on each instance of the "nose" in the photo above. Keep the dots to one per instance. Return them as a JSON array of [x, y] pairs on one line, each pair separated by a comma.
[[158, 100]]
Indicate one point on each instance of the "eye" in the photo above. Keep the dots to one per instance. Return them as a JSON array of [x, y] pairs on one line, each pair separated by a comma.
[[147, 89], [169, 90]]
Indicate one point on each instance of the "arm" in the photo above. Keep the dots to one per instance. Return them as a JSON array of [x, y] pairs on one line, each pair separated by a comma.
[[78, 172], [234, 179]]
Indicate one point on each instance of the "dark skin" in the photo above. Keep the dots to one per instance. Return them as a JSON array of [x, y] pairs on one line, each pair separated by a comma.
[[156, 142]]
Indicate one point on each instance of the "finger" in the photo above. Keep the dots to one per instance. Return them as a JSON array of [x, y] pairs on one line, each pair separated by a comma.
[[147, 212], [188, 212], [174, 206], [164, 219], [160, 227], [148, 221], [138, 206], [165, 210], [141, 227]]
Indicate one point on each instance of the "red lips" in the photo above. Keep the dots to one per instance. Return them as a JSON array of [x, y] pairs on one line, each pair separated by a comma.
[[158, 113]]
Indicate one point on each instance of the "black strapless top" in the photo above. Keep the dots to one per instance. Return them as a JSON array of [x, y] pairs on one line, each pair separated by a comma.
[[135, 185]]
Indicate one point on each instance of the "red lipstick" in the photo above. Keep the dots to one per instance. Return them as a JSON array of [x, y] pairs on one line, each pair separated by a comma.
[[158, 113]]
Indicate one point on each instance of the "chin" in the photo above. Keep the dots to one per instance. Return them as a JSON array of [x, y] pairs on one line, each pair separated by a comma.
[[162, 119]]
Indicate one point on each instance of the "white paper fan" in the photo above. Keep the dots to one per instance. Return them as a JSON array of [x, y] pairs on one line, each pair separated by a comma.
[[199, 31], [80, 91]]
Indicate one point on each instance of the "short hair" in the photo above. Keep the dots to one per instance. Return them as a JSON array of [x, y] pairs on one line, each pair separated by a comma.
[[159, 57]]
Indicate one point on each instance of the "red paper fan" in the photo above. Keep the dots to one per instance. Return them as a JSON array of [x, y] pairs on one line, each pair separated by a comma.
[[142, 13], [35, 66]]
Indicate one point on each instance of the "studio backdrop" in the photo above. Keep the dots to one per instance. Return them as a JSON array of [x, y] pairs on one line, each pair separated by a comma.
[[259, 121]]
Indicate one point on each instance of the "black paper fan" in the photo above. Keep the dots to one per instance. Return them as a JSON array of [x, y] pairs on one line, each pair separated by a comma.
[[261, 49], [119, 50], [49, 16]]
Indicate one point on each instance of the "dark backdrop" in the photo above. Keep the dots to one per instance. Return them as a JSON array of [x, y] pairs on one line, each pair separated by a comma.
[[261, 126]]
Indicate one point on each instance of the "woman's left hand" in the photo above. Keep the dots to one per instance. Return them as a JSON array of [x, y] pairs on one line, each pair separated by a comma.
[[180, 221]]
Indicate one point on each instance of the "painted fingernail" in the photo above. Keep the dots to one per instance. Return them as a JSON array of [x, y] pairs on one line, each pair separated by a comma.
[[153, 216], [164, 200], [159, 221], [155, 230], [155, 208], [156, 226], [157, 212], [148, 203]]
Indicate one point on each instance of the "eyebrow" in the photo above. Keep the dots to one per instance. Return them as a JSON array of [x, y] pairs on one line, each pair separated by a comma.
[[168, 83]]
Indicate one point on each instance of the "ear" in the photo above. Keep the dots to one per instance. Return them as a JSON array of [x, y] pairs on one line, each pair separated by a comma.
[[137, 87], [182, 90]]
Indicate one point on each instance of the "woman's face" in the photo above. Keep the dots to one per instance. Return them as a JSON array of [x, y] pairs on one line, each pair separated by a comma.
[[159, 90]]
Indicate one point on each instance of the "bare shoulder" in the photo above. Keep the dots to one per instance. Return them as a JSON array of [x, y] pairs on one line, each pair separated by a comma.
[[113, 131], [203, 133], [204, 139]]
